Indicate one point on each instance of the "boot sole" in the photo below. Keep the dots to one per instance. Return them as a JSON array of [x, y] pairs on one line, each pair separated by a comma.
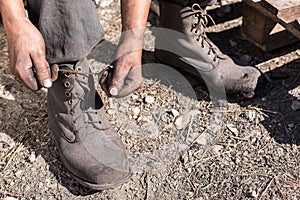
[[94, 186]]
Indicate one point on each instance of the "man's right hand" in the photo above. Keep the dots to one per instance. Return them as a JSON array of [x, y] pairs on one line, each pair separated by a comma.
[[27, 55], [26, 47]]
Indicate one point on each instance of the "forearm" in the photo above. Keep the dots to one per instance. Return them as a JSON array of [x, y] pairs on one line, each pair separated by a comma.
[[134, 20], [12, 12], [134, 14]]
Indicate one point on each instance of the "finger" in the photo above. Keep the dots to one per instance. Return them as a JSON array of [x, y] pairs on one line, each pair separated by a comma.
[[117, 81], [105, 80], [42, 70], [54, 72], [28, 78], [24, 72]]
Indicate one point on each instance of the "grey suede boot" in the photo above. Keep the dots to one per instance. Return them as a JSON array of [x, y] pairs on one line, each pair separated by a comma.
[[88, 145], [181, 42]]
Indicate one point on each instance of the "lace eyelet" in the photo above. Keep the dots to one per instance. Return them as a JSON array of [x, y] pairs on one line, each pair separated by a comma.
[[70, 102], [79, 69], [67, 84], [196, 15], [100, 122], [67, 74], [68, 94]]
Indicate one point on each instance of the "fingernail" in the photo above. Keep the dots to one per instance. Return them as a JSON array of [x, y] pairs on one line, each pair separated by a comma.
[[47, 83], [114, 91]]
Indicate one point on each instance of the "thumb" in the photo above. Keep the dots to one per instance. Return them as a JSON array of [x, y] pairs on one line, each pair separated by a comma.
[[117, 81]]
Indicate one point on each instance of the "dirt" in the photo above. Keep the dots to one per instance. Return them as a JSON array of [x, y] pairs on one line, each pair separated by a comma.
[[179, 145]]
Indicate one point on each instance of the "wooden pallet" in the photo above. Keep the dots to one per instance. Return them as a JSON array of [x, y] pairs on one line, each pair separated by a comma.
[[271, 24]]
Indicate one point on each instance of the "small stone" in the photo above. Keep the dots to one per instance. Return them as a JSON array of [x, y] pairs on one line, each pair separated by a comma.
[[253, 194], [251, 115], [32, 157], [185, 159], [10, 198], [110, 111], [237, 161], [129, 131], [202, 140], [149, 99], [164, 118], [189, 170], [179, 122], [134, 97], [216, 149], [175, 113], [104, 3], [18, 173], [296, 105], [135, 111], [246, 58], [232, 43]]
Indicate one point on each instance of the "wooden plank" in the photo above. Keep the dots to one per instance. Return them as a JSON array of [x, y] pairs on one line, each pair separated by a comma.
[[282, 7], [290, 26], [264, 32]]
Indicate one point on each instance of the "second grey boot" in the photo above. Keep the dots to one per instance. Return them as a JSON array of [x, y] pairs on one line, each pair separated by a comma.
[[181, 42]]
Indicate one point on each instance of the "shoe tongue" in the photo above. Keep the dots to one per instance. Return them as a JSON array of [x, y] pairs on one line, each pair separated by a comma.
[[66, 66]]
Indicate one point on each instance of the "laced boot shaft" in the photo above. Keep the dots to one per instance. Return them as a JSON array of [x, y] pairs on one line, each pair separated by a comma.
[[181, 42], [87, 144]]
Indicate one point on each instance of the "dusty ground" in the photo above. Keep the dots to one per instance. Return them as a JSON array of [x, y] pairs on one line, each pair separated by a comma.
[[179, 146]]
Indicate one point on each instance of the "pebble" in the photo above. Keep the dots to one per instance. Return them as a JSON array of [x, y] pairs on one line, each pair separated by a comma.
[[134, 97], [296, 105], [253, 194], [202, 140], [251, 115], [149, 99], [232, 43], [246, 58], [216, 149], [32, 157], [175, 113], [10, 198], [179, 122], [129, 131], [136, 111]]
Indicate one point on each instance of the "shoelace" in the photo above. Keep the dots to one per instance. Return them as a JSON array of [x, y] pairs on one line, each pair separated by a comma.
[[74, 104], [200, 26]]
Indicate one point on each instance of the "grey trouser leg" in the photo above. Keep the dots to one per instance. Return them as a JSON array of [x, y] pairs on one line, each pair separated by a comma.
[[70, 28]]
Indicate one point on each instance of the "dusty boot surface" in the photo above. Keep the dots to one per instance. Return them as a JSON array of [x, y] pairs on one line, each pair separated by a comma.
[[181, 42], [88, 145]]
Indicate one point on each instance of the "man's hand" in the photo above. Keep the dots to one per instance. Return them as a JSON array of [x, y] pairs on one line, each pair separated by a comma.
[[26, 47], [126, 75], [27, 56]]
